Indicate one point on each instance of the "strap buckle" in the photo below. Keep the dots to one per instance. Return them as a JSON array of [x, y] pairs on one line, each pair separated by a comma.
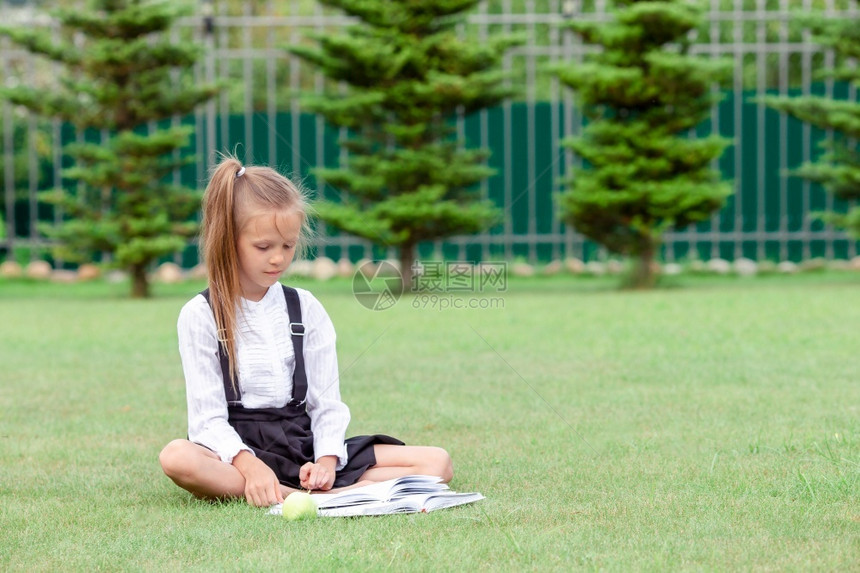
[[297, 329]]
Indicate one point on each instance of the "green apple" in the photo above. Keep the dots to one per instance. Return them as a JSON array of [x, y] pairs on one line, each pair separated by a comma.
[[299, 505]]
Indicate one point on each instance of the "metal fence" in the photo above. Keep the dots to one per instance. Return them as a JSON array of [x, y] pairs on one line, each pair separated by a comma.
[[769, 216]]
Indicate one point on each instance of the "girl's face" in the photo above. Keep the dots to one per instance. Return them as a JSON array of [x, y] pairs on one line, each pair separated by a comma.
[[266, 246]]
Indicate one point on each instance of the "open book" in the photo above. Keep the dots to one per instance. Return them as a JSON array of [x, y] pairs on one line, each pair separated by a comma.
[[407, 494]]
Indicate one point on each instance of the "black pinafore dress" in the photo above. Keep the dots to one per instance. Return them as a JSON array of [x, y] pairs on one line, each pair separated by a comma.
[[282, 437]]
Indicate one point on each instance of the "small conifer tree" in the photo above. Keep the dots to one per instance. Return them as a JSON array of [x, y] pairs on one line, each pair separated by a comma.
[[119, 74], [837, 169], [642, 93], [407, 74]]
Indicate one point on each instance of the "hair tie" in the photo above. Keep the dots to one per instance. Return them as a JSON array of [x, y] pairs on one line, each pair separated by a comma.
[[240, 172]]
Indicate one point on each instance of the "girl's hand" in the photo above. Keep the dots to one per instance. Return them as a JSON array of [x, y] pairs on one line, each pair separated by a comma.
[[320, 475], [262, 488]]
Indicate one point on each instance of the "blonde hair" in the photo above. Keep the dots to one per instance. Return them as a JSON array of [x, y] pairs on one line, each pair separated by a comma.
[[227, 201]]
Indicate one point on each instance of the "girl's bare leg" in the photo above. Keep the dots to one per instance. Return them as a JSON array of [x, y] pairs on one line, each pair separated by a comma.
[[198, 470], [397, 461]]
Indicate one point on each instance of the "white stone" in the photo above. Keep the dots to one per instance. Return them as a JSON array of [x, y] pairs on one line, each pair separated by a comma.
[[345, 268], [816, 264], [88, 272], [323, 269], [786, 267], [199, 272], [169, 273], [39, 270], [522, 270], [553, 268], [745, 267], [766, 266], [11, 270], [116, 276], [616, 267], [719, 266], [64, 276], [672, 269], [300, 268], [367, 267], [574, 265], [855, 264], [595, 268]]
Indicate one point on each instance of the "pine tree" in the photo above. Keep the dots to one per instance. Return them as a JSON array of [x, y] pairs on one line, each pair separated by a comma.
[[837, 169], [642, 93], [407, 179], [120, 74]]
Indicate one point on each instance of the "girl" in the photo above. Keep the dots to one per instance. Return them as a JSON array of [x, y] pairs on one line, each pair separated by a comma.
[[264, 411]]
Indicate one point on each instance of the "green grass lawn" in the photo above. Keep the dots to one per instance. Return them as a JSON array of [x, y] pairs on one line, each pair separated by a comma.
[[711, 425]]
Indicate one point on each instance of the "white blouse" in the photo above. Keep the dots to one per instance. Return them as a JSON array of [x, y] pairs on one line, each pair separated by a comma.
[[266, 360]]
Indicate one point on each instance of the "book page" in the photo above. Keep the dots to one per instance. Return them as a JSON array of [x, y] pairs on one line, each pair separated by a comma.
[[441, 501], [410, 504], [382, 491], [408, 494]]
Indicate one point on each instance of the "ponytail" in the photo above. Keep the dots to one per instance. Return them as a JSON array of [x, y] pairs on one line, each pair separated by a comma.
[[218, 246]]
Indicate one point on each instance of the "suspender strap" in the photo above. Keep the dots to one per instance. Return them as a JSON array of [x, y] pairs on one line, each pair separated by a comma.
[[297, 333]]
